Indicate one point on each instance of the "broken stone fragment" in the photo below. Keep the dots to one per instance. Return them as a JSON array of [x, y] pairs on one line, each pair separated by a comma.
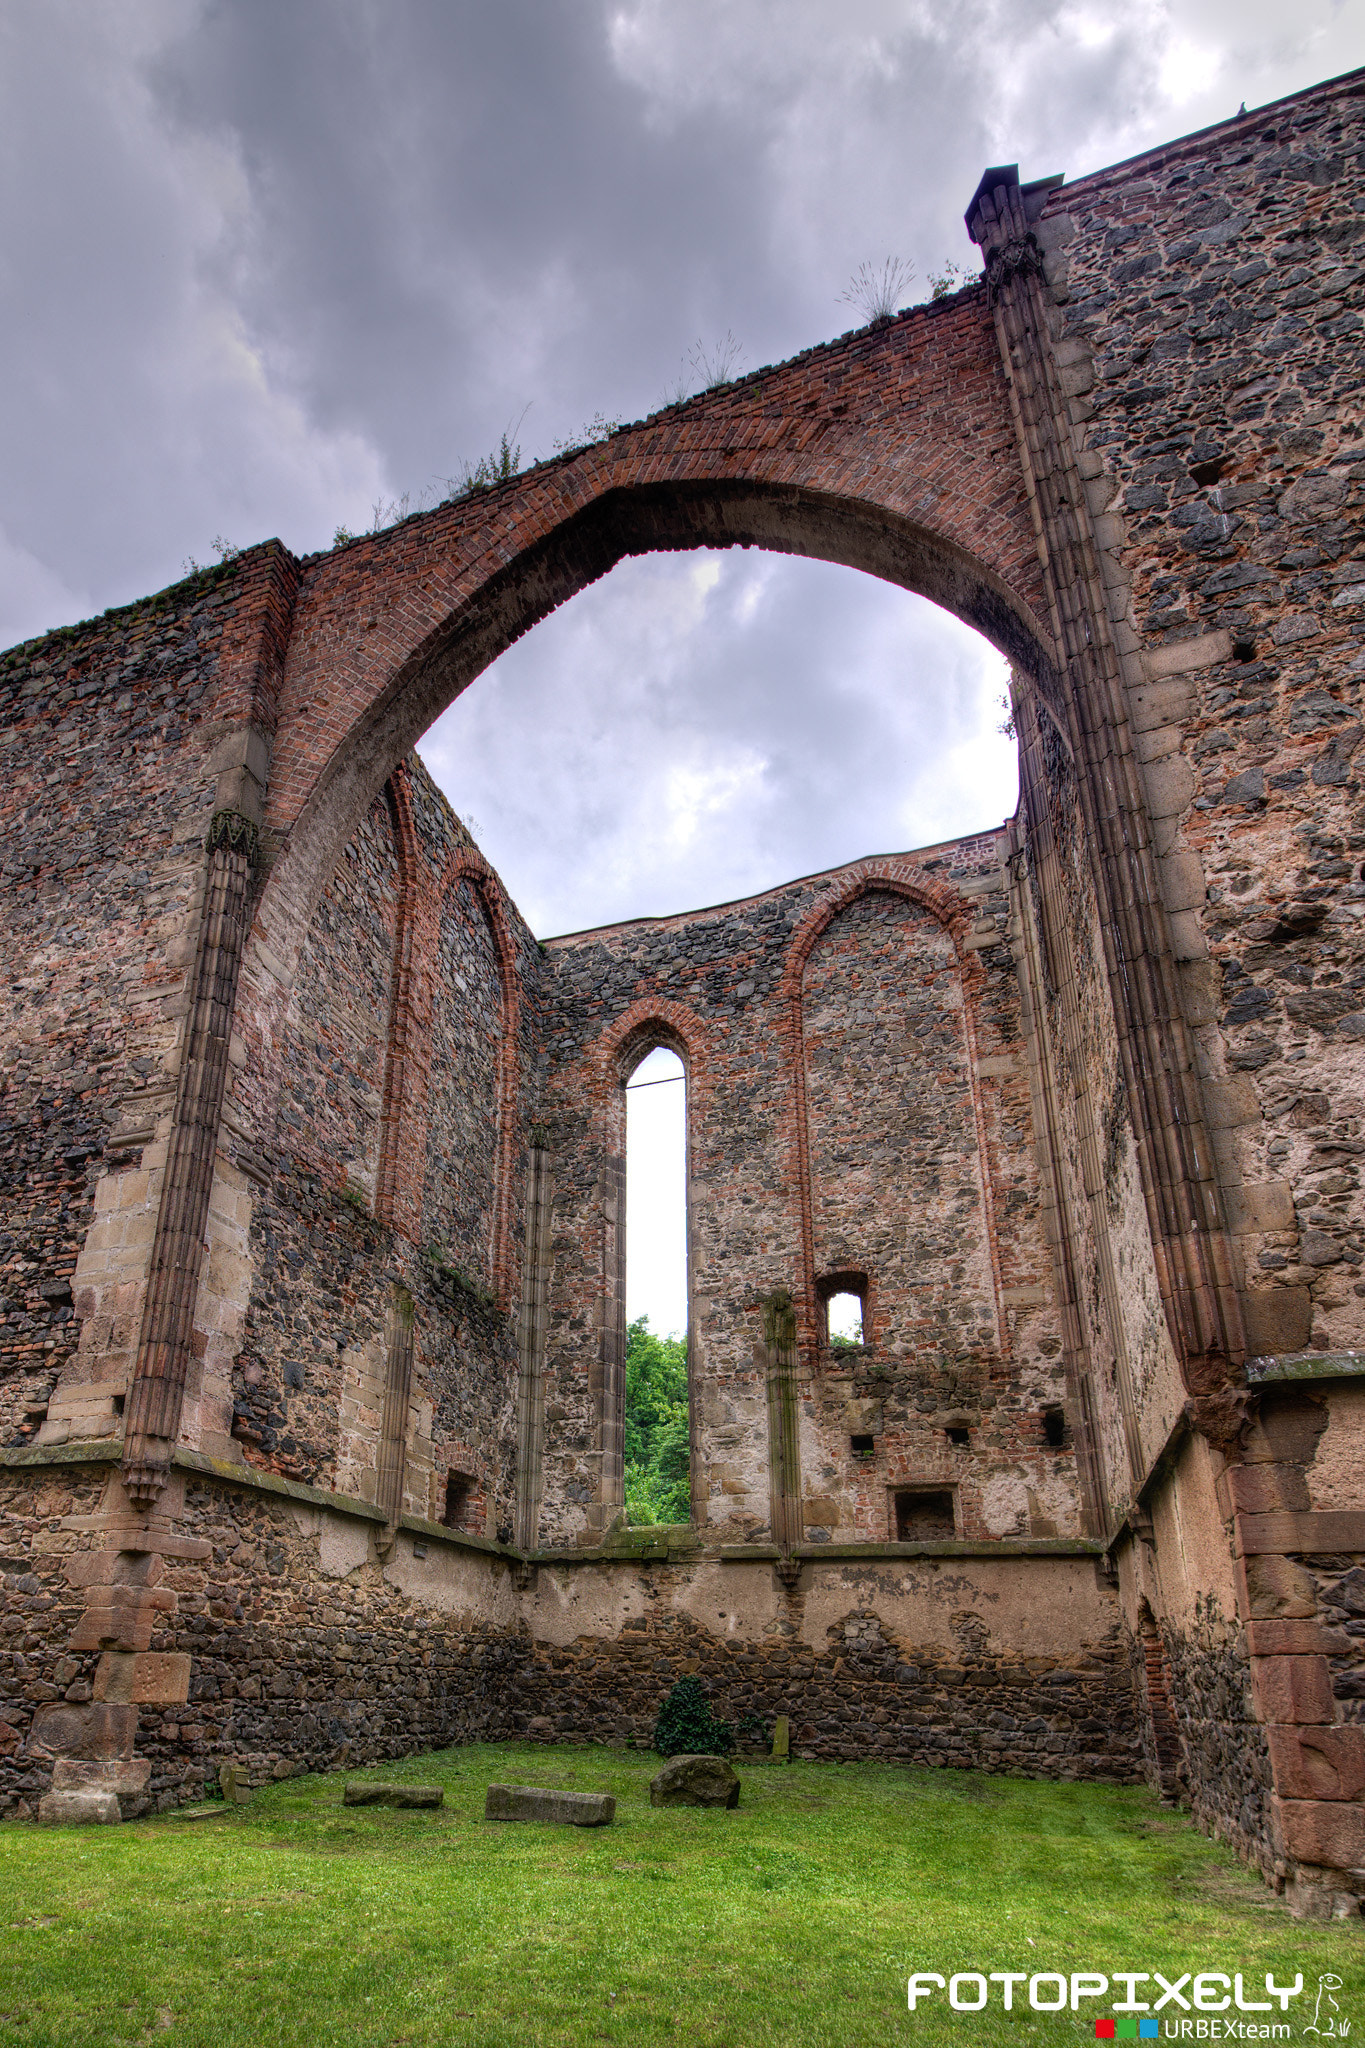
[[694, 1781], [565, 1809], [393, 1795]]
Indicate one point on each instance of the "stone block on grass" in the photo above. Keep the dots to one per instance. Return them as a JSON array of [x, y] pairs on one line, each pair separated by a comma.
[[694, 1781], [561, 1809], [82, 1807], [403, 1796], [232, 1781]]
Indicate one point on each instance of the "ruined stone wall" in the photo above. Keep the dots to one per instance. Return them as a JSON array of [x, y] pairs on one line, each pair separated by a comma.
[[905, 1158], [325, 1258], [1208, 314], [1125, 1381], [908, 1072], [107, 736], [310, 1241], [1182, 1575], [925, 1661], [302, 1652], [301, 1649], [1205, 314]]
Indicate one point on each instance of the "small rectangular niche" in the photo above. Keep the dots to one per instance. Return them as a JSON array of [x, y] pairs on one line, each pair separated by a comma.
[[458, 1500], [1054, 1427], [924, 1515], [863, 1446], [958, 1433]]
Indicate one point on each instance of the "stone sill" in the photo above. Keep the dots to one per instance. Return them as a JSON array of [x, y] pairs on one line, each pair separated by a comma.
[[1306, 1365], [657, 1543], [459, 1539], [83, 1450], [273, 1482], [999, 1546]]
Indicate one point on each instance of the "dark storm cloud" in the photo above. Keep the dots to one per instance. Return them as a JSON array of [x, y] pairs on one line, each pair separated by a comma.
[[268, 263]]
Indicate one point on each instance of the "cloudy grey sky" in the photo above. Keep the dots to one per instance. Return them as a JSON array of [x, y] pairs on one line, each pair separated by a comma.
[[269, 263]]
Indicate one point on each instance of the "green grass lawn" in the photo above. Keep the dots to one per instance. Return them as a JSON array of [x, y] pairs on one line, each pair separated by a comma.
[[791, 1922]]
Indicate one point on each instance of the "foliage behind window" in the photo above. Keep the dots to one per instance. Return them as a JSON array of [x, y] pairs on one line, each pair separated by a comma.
[[656, 1440]]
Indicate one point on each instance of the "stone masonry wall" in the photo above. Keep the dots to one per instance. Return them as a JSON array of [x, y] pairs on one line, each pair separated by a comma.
[[107, 735], [919, 1661], [1209, 312], [309, 1381], [901, 1088], [304, 1655], [1129, 1386]]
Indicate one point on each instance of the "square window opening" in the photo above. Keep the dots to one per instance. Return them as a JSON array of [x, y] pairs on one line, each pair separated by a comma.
[[958, 1433], [863, 1446], [924, 1517]]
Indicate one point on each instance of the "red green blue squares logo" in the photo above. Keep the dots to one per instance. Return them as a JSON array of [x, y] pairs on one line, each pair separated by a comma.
[[1127, 2029]]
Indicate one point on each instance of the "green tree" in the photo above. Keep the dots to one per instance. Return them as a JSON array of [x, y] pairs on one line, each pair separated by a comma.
[[656, 1434]]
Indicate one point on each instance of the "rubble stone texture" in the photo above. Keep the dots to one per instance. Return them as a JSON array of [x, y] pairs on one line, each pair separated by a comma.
[[312, 1159]]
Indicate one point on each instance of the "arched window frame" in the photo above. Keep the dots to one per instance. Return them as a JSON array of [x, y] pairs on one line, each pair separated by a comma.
[[402, 1144], [893, 878], [642, 1030]]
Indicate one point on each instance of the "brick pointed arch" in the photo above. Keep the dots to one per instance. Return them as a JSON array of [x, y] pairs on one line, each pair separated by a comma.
[[892, 450], [469, 865], [651, 1021], [935, 451], [402, 1153], [886, 878]]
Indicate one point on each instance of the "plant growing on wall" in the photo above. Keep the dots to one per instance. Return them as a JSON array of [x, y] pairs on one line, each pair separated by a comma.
[[878, 290], [943, 283], [687, 1727]]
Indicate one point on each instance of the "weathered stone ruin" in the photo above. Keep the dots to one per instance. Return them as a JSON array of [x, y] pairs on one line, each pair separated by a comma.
[[313, 1162]]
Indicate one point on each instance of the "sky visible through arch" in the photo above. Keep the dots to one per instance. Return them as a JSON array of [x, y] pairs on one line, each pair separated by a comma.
[[273, 266]]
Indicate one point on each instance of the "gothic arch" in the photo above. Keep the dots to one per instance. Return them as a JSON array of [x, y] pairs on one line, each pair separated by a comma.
[[422, 896], [891, 878], [647, 1023]]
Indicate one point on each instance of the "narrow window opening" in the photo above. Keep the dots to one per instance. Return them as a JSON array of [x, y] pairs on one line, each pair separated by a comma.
[[658, 1435], [118, 1403], [844, 1296], [1054, 1427], [863, 1446], [958, 1433], [923, 1516], [459, 1488]]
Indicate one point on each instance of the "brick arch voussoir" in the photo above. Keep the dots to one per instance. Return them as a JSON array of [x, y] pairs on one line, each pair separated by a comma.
[[649, 1022], [330, 763], [885, 878]]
